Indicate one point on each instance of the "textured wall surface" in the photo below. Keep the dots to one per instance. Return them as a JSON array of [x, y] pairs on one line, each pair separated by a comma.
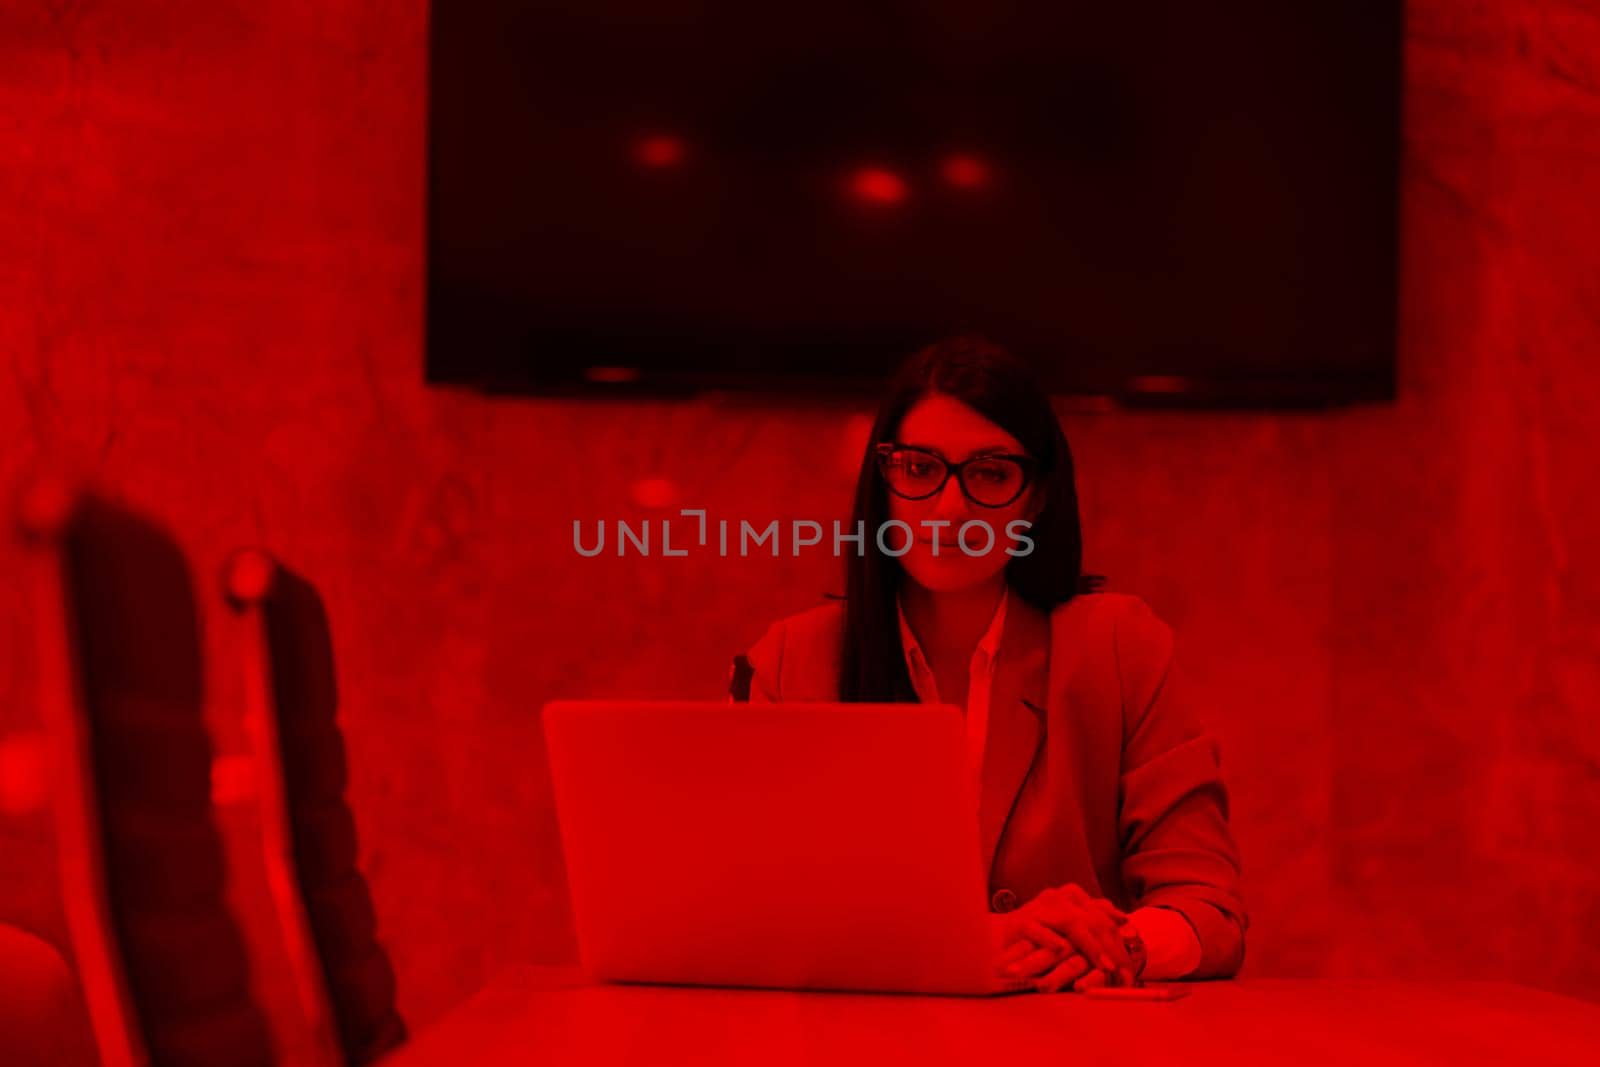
[[211, 299]]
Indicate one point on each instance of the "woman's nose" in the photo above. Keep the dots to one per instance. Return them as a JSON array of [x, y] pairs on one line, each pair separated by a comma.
[[952, 502]]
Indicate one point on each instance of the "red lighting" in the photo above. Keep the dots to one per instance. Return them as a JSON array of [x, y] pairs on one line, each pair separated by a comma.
[[965, 172], [659, 151], [877, 185], [1159, 383], [612, 375]]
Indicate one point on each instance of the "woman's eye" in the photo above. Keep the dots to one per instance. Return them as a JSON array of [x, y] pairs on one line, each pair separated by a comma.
[[919, 468]]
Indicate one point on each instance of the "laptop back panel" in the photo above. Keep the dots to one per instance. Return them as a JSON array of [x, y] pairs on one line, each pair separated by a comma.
[[803, 846]]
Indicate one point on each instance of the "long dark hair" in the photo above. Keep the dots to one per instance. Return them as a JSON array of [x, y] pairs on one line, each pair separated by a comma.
[[1004, 390]]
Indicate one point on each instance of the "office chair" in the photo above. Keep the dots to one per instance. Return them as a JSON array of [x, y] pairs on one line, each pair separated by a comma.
[[325, 905], [160, 958], [42, 1019], [739, 679]]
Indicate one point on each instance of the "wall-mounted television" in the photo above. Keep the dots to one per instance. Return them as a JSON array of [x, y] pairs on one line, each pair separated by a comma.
[[1163, 203]]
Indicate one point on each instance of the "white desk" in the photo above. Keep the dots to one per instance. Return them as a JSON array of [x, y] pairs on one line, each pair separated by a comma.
[[552, 1017]]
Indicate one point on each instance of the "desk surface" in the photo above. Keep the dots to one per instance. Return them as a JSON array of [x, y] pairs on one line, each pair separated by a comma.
[[551, 1017]]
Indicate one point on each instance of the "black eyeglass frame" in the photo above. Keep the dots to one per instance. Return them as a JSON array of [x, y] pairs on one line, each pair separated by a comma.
[[1028, 465]]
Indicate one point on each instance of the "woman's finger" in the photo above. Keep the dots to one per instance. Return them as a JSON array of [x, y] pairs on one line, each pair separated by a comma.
[[1045, 937], [1110, 935], [1118, 916], [1099, 944], [1015, 951], [1068, 921], [1075, 893], [1062, 974], [1070, 911], [1089, 981], [1034, 964], [1038, 949]]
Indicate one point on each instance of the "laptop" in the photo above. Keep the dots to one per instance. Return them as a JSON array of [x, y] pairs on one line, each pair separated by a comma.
[[784, 846]]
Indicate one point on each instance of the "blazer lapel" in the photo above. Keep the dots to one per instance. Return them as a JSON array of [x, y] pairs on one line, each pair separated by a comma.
[[1016, 730]]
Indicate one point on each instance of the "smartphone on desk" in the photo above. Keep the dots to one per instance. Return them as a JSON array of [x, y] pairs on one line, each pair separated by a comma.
[[1143, 992]]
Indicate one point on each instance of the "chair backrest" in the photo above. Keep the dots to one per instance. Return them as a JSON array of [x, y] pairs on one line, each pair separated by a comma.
[[739, 679], [163, 963], [294, 706]]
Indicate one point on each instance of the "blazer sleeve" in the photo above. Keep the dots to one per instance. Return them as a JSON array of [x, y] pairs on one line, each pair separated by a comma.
[[766, 664], [1177, 850]]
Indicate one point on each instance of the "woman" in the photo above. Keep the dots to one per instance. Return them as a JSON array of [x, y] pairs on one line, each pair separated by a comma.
[[1102, 812]]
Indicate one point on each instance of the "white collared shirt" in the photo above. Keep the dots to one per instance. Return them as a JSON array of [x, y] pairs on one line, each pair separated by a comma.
[[1173, 947], [980, 682]]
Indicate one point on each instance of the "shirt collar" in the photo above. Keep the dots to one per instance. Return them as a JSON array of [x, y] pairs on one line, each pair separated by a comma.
[[988, 647]]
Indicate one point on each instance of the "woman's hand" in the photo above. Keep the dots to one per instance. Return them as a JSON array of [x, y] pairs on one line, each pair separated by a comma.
[[1062, 938]]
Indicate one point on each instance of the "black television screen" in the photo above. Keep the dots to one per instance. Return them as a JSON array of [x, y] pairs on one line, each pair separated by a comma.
[[1177, 202]]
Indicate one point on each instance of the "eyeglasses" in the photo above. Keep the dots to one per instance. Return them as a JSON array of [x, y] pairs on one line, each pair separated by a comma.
[[990, 479]]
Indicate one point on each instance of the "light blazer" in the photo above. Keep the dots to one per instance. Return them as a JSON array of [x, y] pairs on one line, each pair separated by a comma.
[[1109, 779]]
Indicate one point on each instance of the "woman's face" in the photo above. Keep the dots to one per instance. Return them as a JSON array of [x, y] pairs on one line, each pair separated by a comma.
[[945, 426]]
